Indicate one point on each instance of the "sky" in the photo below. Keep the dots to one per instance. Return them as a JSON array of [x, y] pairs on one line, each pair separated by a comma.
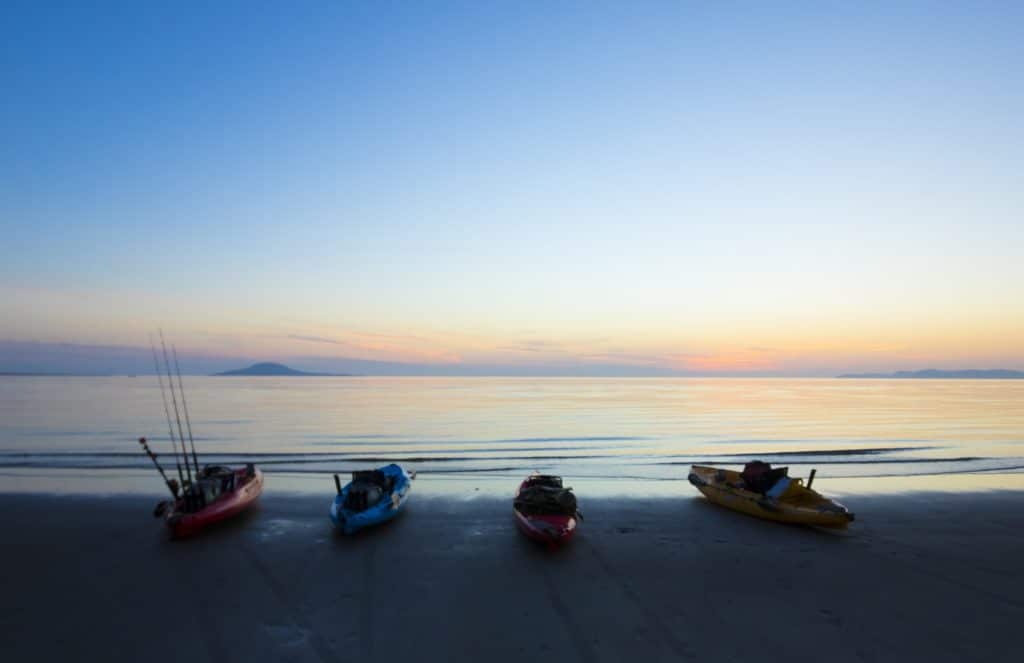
[[515, 187]]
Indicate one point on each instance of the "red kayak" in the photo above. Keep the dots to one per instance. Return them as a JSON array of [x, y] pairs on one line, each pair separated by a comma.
[[218, 494], [545, 511]]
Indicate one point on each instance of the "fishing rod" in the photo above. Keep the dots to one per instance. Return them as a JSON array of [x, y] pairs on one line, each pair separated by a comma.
[[172, 485], [174, 400], [167, 413], [184, 405]]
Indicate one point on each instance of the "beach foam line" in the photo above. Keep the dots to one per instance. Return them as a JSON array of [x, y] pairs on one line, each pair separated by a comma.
[[588, 472], [569, 465]]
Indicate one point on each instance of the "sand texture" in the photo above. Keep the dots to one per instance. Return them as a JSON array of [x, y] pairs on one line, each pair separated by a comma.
[[924, 577]]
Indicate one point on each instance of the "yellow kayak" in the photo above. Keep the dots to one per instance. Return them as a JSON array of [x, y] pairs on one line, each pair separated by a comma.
[[789, 502]]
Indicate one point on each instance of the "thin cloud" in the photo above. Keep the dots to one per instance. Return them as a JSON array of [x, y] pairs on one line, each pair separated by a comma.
[[622, 356], [315, 339], [389, 337], [534, 345], [361, 335]]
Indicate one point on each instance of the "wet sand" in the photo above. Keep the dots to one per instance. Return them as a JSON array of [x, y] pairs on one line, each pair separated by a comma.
[[934, 577]]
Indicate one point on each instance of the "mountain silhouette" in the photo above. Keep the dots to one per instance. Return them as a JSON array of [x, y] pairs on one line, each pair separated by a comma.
[[935, 374], [272, 369]]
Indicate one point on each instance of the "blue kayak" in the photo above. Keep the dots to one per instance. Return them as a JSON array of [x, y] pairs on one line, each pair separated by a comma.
[[372, 497]]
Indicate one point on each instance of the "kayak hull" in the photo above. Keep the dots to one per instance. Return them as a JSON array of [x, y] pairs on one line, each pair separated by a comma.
[[350, 522], [798, 506], [550, 529], [182, 525]]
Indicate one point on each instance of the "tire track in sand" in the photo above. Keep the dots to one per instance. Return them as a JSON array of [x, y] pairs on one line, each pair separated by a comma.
[[320, 647], [679, 647], [584, 651]]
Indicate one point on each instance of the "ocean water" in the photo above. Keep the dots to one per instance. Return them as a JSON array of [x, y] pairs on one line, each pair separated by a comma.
[[589, 428]]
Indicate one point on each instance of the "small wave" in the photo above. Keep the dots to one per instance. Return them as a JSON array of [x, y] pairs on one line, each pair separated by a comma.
[[333, 439], [74, 433], [427, 459], [370, 448], [886, 461], [127, 436], [832, 440], [576, 439], [867, 451], [105, 460], [396, 441], [224, 422]]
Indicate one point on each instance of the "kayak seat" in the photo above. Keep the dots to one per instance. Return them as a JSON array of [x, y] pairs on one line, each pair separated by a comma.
[[195, 498], [362, 496], [373, 477], [548, 480], [211, 490], [779, 489], [759, 477]]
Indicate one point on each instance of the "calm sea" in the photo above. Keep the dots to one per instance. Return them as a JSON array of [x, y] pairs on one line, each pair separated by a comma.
[[505, 427]]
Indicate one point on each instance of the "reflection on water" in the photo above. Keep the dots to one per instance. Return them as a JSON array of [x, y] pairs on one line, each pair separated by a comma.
[[598, 429]]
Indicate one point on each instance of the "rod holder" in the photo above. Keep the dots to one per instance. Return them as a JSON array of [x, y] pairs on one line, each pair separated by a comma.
[[810, 479], [337, 483]]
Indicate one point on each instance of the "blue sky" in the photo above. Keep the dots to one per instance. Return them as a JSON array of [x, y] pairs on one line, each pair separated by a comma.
[[669, 184]]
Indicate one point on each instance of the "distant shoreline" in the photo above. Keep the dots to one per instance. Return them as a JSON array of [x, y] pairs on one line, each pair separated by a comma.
[[934, 374], [15, 374]]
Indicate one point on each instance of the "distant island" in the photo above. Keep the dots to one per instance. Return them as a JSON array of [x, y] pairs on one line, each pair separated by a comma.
[[935, 374], [17, 374], [271, 369], [29, 374]]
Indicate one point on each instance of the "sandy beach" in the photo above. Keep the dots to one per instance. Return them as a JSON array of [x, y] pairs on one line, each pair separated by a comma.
[[922, 576]]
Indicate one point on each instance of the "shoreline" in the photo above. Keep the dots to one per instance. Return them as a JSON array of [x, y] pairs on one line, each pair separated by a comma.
[[145, 482]]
